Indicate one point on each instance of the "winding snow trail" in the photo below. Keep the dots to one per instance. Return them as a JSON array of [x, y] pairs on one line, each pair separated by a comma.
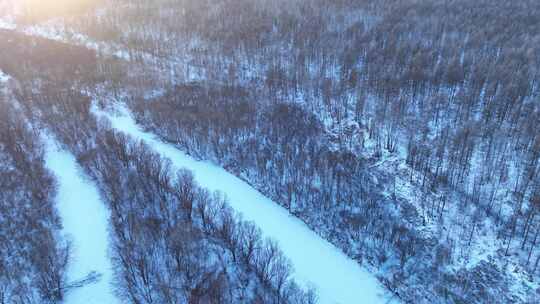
[[337, 278], [85, 221]]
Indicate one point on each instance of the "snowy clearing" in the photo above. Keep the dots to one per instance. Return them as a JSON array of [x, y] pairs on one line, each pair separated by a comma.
[[85, 221], [317, 263]]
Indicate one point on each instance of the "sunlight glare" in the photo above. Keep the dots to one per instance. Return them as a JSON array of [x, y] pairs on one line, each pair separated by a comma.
[[38, 10]]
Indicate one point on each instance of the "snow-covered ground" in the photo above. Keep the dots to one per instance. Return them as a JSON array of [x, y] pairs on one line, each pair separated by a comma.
[[3, 77], [317, 263], [3, 80], [85, 222]]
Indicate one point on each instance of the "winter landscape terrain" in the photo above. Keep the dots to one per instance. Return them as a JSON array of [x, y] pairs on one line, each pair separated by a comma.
[[254, 151]]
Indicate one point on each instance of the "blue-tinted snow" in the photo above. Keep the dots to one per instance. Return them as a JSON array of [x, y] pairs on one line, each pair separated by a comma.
[[85, 222]]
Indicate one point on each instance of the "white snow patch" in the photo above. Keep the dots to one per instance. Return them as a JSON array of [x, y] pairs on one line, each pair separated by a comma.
[[7, 24], [317, 263], [85, 221], [3, 77]]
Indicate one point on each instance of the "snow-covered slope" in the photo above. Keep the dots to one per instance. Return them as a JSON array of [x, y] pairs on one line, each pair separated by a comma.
[[317, 263], [85, 221]]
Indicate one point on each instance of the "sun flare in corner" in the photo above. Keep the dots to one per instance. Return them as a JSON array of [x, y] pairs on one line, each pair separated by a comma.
[[39, 10]]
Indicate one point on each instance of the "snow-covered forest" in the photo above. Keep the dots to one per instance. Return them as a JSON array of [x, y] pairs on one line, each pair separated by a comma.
[[256, 151]]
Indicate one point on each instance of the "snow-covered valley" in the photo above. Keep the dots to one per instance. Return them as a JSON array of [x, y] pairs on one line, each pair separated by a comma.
[[336, 278], [371, 152], [316, 262]]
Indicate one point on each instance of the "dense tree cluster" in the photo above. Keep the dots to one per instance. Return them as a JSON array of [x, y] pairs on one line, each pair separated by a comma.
[[173, 242], [176, 243], [328, 107], [33, 255], [306, 99]]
